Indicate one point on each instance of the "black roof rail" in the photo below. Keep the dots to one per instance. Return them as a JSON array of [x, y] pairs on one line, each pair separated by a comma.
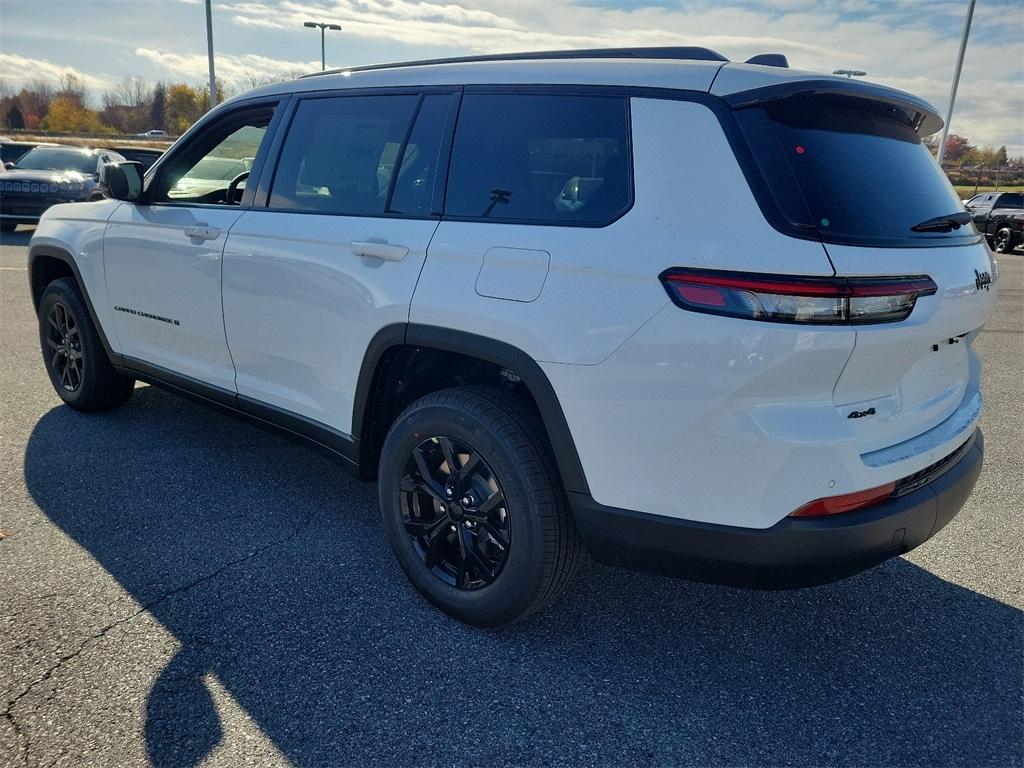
[[769, 60], [678, 52]]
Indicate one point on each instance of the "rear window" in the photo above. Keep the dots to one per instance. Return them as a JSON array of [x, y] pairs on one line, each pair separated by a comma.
[[850, 169], [540, 159]]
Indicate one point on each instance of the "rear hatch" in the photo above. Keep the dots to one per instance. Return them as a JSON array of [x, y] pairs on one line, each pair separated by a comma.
[[845, 163]]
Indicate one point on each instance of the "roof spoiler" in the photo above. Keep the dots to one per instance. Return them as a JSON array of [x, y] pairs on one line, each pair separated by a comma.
[[917, 113]]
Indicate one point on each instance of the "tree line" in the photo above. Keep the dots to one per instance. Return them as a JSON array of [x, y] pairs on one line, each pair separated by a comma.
[[131, 106], [960, 152]]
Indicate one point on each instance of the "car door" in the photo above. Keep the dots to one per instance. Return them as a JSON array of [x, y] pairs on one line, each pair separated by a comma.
[[979, 208], [334, 253], [163, 254]]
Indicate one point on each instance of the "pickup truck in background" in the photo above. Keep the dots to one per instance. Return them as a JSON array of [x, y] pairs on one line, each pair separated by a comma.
[[1000, 217]]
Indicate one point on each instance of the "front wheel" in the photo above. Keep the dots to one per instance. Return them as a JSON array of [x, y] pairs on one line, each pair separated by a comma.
[[473, 508], [75, 359], [1005, 240]]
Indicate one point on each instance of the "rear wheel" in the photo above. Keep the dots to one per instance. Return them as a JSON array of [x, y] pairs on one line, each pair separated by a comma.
[[1005, 240], [473, 508], [79, 368]]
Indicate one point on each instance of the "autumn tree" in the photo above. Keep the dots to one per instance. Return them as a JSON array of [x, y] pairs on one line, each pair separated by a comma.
[[13, 117], [66, 113], [957, 148], [126, 107], [183, 106]]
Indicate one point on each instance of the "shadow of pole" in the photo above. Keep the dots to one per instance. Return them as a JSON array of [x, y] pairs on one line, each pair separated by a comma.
[[267, 564]]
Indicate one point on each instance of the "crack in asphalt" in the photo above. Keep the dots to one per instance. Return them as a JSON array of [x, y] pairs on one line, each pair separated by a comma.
[[8, 712]]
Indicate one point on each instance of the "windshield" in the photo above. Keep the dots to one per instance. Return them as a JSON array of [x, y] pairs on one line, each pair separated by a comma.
[[852, 170], [55, 159]]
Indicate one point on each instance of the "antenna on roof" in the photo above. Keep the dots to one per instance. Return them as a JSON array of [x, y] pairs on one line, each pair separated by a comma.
[[769, 60]]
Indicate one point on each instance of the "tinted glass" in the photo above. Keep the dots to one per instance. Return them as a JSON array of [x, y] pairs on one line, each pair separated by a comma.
[[340, 154], [47, 159], [417, 178], [852, 171], [550, 159], [1011, 200]]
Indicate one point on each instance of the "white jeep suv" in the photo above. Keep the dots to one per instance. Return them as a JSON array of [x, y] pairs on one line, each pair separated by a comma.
[[709, 318]]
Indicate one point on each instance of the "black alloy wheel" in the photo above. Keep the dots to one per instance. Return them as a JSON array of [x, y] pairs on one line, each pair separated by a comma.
[[1003, 240], [73, 353], [454, 510], [473, 507], [64, 347]]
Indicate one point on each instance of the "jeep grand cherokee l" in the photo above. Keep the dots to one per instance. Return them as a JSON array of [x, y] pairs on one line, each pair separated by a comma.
[[498, 286]]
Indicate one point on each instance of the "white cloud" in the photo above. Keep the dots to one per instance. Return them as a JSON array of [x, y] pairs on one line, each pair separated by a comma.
[[19, 70], [896, 41], [239, 70]]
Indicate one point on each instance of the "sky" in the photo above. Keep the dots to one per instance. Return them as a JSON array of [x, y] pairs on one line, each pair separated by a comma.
[[908, 44]]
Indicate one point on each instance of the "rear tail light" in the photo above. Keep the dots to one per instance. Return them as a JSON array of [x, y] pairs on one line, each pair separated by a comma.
[[834, 505], [814, 300]]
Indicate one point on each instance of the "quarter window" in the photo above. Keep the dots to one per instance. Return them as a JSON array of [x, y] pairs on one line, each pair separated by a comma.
[[540, 158], [341, 153]]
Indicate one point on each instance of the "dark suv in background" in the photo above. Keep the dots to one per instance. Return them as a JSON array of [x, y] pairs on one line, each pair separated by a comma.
[[1000, 217], [47, 175]]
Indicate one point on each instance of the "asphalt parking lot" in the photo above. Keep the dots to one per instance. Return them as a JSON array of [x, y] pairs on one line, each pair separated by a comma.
[[177, 587]]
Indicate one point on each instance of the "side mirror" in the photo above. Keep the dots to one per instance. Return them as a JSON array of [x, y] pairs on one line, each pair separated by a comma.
[[8, 166], [122, 181]]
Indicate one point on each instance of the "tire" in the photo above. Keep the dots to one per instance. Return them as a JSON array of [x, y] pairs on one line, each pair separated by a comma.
[[1005, 240], [68, 335], [515, 498], [8, 226]]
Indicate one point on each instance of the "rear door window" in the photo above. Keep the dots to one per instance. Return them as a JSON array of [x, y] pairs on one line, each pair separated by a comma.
[[538, 158], [340, 154], [1010, 200], [852, 170]]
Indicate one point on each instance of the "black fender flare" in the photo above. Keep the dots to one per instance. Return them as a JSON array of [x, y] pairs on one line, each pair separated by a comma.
[[49, 251], [491, 351]]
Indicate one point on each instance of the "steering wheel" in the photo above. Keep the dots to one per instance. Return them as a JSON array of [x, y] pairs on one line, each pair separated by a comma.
[[231, 196]]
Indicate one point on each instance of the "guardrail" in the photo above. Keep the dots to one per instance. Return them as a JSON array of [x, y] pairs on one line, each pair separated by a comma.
[[72, 136]]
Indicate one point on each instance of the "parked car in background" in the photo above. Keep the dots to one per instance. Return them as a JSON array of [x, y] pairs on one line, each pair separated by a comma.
[[999, 216], [156, 132], [146, 156], [11, 151], [47, 175]]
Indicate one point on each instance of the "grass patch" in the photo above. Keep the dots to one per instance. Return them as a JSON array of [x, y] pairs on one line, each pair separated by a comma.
[[967, 190]]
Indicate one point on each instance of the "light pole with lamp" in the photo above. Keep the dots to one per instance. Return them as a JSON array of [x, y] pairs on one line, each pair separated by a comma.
[[323, 32]]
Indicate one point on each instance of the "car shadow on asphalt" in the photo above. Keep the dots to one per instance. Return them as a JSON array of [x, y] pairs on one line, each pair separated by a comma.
[[268, 565], [20, 236]]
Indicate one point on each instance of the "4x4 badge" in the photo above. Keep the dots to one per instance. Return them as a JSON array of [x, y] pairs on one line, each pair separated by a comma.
[[982, 280]]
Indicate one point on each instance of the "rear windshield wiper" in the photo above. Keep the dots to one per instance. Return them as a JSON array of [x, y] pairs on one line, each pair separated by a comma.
[[943, 223]]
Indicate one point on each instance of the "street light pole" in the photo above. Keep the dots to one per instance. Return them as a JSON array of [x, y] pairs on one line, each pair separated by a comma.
[[956, 81], [209, 54], [323, 27]]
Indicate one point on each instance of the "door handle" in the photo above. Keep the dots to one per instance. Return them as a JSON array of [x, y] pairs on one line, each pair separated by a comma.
[[382, 251], [202, 232]]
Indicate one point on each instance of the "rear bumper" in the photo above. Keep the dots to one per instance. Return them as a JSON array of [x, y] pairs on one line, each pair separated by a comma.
[[794, 552]]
